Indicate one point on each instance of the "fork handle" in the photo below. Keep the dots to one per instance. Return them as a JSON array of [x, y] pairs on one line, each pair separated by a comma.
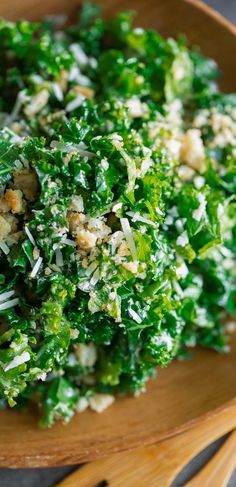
[[158, 465], [218, 471]]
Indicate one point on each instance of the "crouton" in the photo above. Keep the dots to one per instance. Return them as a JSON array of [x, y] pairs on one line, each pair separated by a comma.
[[27, 182]]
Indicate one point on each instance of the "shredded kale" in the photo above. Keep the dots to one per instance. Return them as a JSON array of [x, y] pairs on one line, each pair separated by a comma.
[[117, 209]]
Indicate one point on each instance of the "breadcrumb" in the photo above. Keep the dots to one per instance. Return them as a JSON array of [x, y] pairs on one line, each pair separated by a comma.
[[12, 220], [14, 198], [85, 91], [75, 220], [192, 150], [36, 104], [27, 182], [85, 239], [4, 206], [86, 354], [5, 228]]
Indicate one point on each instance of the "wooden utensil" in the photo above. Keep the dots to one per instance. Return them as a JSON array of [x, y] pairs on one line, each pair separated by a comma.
[[186, 393], [158, 465]]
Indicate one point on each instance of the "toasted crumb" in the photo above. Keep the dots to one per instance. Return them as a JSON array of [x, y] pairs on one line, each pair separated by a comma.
[[85, 239], [192, 150], [36, 253], [185, 173], [16, 235], [81, 405], [27, 182], [14, 198], [5, 228], [63, 81], [131, 267], [75, 220], [85, 91], [4, 206], [12, 220], [36, 104], [47, 271], [123, 249], [86, 354]]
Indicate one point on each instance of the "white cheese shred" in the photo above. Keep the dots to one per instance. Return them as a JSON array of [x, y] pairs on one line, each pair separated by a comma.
[[57, 91], [29, 235], [18, 360], [59, 258], [68, 241], [95, 278], [9, 304], [73, 104], [134, 315], [129, 237], [138, 218], [36, 267], [6, 295], [4, 247]]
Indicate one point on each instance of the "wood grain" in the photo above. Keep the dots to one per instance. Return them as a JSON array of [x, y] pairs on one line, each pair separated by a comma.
[[219, 470], [185, 394], [158, 465]]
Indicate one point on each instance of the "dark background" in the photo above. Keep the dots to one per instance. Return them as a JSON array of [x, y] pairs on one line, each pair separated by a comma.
[[48, 477]]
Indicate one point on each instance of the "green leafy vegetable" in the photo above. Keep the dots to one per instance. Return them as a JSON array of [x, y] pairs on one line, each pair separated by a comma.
[[117, 209]]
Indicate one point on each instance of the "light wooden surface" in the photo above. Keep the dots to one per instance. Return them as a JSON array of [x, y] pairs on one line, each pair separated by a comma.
[[158, 465], [185, 394], [219, 470]]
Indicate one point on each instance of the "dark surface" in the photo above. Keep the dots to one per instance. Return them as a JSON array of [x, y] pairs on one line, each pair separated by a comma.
[[48, 477]]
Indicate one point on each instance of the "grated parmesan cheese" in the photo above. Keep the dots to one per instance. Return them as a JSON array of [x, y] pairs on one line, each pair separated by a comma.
[[29, 235], [164, 339], [4, 247], [18, 360], [6, 295], [129, 237], [192, 150], [199, 212], [182, 239], [9, 304], [36, 267], [134, 315], [86, 354]]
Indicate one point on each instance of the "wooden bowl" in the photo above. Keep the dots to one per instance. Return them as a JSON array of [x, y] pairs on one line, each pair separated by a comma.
[[184, 394]]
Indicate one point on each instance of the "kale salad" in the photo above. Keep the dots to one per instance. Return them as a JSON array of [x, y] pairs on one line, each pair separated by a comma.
[[117, 210]]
